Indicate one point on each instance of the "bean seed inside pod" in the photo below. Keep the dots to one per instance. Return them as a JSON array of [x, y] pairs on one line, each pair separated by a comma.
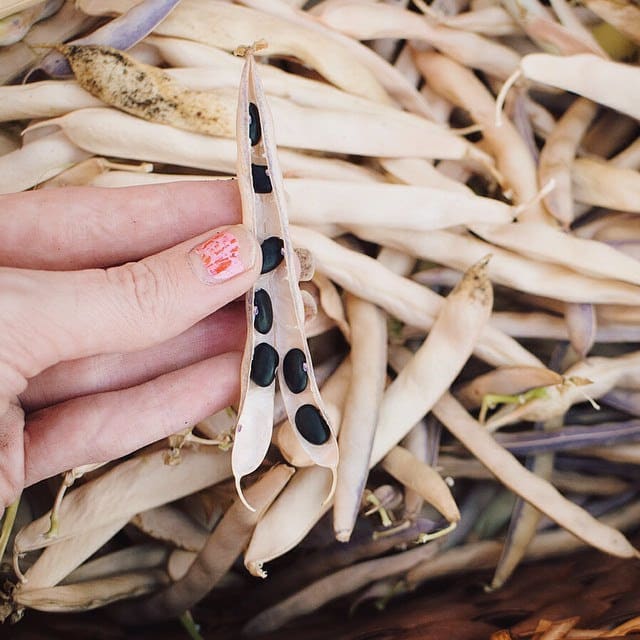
[[294, 369], [261, 179], [272, 253], [311, 425], [263, 319], [255, 128], [264, 364]]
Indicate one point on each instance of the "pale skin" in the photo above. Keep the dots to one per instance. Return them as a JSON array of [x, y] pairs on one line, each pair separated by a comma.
[[108, 336]]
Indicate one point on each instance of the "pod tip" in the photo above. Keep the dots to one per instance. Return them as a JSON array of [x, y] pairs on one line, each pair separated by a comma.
[[332, 490], [241, 494]]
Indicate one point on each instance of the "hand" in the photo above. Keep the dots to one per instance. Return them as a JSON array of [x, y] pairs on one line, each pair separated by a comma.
[[106, 339]]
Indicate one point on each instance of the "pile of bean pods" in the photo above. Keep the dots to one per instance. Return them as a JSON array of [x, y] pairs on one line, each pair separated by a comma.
[[462, 190]]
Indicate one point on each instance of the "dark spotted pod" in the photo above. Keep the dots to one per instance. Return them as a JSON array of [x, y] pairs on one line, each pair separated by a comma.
[[294, 370], [263, 319], [264, 364], [311, 425], [260, 178], [272, 253], [255, 128]]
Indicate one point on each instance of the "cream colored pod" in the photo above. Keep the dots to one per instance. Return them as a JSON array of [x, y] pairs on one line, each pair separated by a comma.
[[276, 344]]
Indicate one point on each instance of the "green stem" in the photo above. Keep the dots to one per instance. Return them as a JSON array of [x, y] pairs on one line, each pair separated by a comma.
[[492, 400], [7, 525], [427, 537], [190, 626], [371, 498]]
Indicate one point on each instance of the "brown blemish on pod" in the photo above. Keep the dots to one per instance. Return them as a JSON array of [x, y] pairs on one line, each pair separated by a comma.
[[146, 91]]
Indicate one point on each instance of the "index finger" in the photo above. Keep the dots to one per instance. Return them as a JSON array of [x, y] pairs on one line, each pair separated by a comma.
[[86, 227]]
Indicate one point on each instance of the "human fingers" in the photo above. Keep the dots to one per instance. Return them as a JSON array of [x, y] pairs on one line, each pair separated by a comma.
[[84, 227], [54, 316], [218, 333], [108, 425]]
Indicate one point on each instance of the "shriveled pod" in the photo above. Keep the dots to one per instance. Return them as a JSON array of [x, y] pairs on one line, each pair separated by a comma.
[[276, 343]]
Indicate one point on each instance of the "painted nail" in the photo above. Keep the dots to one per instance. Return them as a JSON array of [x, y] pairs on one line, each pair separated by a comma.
[[224, 255]]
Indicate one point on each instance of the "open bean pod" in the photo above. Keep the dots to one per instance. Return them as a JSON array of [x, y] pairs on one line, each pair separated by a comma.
[[276, 344]]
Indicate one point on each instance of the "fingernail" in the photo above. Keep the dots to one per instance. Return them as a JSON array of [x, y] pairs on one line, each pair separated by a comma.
[[227, 253]]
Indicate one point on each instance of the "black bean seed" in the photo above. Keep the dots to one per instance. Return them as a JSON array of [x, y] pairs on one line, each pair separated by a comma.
[[272, 253], [261, 179], [293, 367], [311, 425], [255, 128], [264, 364], [263, 319]]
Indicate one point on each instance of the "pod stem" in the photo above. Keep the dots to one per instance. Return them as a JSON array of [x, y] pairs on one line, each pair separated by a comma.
[[7, 525], [190, 626]]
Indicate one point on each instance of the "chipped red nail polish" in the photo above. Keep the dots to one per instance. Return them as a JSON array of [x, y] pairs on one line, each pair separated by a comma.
[[218, 258]]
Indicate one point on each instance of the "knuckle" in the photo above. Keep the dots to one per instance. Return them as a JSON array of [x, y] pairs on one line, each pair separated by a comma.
[[145, 291]]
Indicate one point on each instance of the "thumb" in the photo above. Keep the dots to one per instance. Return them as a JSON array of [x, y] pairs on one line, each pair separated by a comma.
[[50, 316]]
